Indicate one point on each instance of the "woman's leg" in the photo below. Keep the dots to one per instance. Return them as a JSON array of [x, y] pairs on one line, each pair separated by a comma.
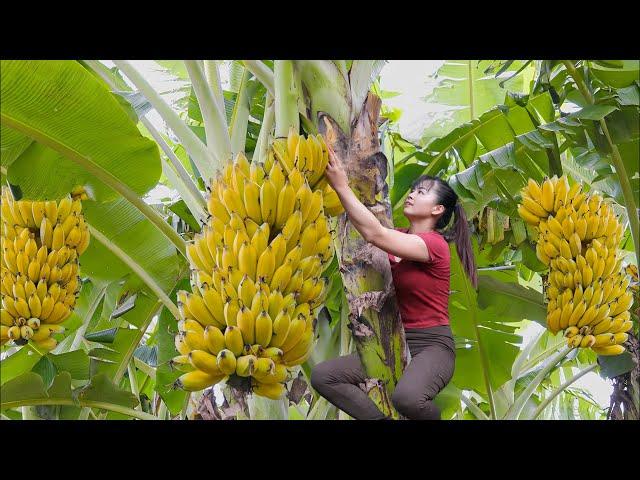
[[337, 380], [427, 373]]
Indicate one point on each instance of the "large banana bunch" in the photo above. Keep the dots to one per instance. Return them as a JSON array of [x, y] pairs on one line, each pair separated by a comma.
[[256, 278], [587, 290], [39, 248]]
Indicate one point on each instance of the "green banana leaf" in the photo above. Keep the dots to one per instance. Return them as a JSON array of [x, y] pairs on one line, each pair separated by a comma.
[[125, 227], [68, 111], [469, 90], [627, 74], [491, 344], [497, 139], [30, 389]]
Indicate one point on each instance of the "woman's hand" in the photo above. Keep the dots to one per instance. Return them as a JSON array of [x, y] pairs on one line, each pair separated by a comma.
[[335, 173]]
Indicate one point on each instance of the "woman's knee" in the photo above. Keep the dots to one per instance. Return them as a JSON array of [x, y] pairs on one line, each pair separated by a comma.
[[404, 401], [413, 405], [320, 376]]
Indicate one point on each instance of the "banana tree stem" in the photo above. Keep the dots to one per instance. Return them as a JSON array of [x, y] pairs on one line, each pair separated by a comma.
[[262, 145], [560, 389], [175, 162], [286, 98], [212, 75], [262, 73], [514, 412], [480, 415], [215, 121], [203, 159]]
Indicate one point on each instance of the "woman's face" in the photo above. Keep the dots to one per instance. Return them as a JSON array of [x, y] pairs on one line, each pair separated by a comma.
[[422, 203]]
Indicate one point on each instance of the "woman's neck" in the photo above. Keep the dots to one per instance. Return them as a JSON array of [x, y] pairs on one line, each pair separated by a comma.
[[422, 226]]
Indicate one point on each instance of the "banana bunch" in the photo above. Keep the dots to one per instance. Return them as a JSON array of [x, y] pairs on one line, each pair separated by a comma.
[[40, 244], [256, 278], [588, 290], [308, 156]]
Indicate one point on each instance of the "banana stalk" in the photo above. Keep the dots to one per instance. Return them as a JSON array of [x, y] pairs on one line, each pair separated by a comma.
[[514, 412], [212, 75], [286, 98], [240, 115], [262, 145], [203, 159], [262, 73], [561, 389], [215, 121]]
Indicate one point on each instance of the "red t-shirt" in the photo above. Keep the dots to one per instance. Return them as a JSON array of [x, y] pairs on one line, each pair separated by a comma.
[[422, 288]]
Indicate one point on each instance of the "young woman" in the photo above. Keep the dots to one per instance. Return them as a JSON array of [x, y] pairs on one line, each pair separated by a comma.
[[420, 266]]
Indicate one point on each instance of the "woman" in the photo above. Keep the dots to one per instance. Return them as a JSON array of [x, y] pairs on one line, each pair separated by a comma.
[[420, 266]]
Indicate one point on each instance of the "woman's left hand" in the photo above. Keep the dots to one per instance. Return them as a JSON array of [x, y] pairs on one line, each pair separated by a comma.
[[335, 173]]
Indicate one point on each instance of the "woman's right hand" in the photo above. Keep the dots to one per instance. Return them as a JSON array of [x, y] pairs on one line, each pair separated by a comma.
[[335, 172]]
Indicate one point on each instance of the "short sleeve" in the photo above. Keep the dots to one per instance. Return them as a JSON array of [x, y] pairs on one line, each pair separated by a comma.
[[437, 246]]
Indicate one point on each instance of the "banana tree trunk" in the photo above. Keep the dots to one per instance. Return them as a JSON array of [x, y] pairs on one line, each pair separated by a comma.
[[625, 399], [366, 274]]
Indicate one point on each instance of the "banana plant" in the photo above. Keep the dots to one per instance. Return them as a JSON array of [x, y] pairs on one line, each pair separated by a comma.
[[336, 101]]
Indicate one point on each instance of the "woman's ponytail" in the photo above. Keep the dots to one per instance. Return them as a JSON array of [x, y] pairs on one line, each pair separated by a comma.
[[460, 235]]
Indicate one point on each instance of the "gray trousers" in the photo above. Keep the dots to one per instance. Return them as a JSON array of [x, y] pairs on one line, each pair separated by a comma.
[[430, 369]]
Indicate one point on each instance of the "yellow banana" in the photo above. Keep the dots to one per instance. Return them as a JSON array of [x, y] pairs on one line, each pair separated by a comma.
[[286, 204], [266, 264], [296, 330], [217, 209], [553, 321], [231, 309], [233, 340], [64, 209], [281, 277], [547, 199], [247, 260], [587, 341], [603, 340], [279, 245], [214, 338], [246, 290], [567, 309], [575, 244], [196, 305], [609, 350], [245, 365], [246, 324], [291, 229], [227, 362], [268, 201], [196, 380], [260, 239], [205, 362], [300, 349], [263, 328], [273, 391]]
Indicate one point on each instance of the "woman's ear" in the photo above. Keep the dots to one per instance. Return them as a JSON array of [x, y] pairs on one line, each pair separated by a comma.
[[438, 209]]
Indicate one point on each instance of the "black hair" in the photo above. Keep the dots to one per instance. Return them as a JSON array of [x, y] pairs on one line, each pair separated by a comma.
[[459, 232]]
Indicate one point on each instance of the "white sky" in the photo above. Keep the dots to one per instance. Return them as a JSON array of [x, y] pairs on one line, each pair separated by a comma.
[[412, 78]]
